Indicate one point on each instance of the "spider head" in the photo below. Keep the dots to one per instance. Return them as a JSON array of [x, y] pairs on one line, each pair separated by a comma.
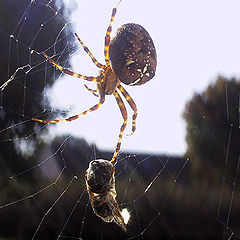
[[110, 81]]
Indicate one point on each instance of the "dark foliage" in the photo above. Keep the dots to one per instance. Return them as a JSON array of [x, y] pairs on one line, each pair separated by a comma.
[[20, 23], [213, 138], [213, 133]]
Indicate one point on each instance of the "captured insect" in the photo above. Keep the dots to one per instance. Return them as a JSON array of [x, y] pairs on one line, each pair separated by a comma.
[[130, 58], [100, 183]]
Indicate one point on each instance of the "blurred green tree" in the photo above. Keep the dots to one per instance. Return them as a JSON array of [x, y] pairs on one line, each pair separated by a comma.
[[213, 136]]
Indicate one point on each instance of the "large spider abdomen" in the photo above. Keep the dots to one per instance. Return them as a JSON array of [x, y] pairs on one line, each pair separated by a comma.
[[133, 55]]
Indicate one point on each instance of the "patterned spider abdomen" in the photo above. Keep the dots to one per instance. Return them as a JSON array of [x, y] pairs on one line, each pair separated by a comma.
[[133, 55]]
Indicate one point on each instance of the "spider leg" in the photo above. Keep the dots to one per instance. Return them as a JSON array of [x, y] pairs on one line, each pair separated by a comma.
[[64, 70], [124, 115], [94, 92], [90, 54], [107, 37], [93, 108], [132, 105]]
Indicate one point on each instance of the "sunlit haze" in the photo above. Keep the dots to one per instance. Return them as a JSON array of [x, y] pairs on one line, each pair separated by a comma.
[[195, 42]]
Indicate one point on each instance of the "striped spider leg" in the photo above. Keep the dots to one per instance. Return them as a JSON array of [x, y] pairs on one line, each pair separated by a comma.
[[107, 84]]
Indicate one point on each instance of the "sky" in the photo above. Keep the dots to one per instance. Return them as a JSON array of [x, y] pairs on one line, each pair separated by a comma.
[[195, 42]]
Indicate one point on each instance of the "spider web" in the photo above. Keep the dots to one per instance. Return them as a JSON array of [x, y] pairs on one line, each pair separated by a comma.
[[43, 192]]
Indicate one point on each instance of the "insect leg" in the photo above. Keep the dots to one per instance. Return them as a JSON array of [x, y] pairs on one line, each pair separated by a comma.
[[64, 70], [107, 37], [93, 91], [124, 115], [93, 108], [90, 54], [132, 105]]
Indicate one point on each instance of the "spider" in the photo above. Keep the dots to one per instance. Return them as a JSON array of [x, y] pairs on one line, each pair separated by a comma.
[[133, 62], [100, 183]]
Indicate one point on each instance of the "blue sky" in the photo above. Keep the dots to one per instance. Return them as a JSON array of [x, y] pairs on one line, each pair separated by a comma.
[[195, 42]]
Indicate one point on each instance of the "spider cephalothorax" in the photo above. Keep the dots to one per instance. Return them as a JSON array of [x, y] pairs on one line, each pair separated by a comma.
[[130, 58]]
